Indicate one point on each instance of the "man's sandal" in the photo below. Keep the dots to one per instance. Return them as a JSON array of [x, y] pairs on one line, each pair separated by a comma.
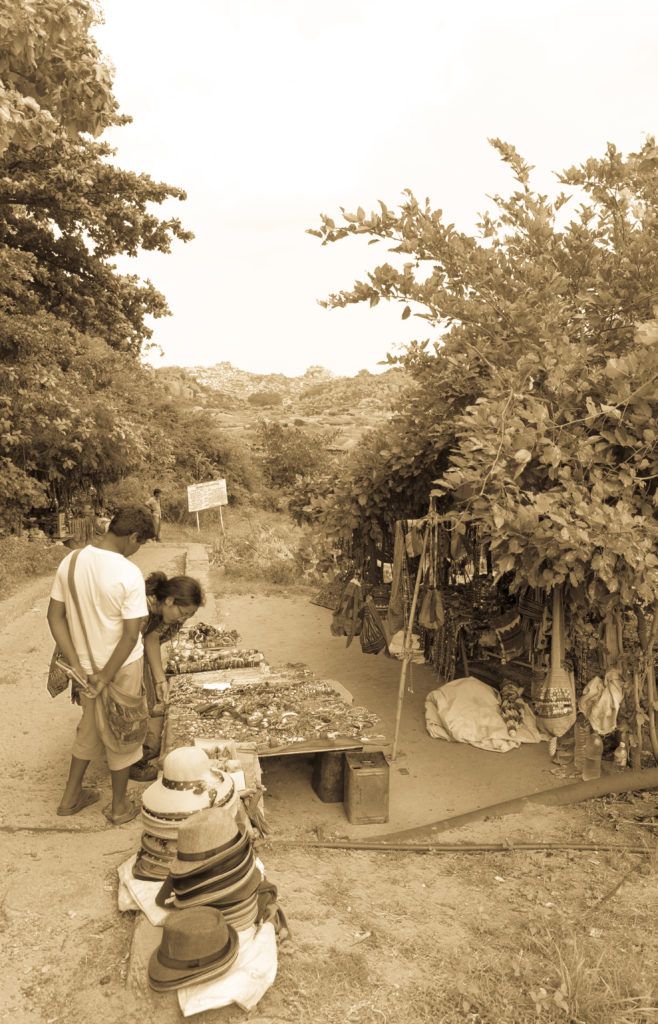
[[87, 797], [122, 819]]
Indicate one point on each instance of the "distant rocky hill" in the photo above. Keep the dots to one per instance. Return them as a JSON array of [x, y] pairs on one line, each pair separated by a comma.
[[317, 399]]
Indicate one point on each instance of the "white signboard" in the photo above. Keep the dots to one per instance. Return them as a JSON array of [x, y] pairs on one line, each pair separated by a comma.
[[210, 495]]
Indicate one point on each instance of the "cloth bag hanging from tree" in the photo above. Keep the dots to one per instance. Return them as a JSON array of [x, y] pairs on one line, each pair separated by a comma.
[[347, 620], [554, 699]]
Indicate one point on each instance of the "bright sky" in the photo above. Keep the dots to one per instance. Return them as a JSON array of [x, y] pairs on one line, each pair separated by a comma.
[[269, 112]]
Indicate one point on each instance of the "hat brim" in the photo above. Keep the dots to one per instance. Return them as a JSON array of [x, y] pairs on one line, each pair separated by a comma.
[[156, 846], [160, 799], [174, 977], [182, 868], [215, 881], [145, 872], [217, 898], [160, 827]]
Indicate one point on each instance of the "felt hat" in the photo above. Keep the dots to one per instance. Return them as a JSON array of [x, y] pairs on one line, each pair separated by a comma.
[[242, 915], [239, 890], [214, 878], [196, 944], [188, 783], [207, 838]]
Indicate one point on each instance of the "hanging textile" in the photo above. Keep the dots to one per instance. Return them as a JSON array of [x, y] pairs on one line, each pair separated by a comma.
[[554, 699], [347, 619], [431, 613], [373, 632]]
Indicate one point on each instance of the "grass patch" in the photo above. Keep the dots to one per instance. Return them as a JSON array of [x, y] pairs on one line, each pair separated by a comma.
[[22, 559], [256, 547]]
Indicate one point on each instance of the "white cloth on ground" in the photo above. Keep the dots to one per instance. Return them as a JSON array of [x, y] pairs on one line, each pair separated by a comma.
[[468, 711], [138, 894], [247, 981]]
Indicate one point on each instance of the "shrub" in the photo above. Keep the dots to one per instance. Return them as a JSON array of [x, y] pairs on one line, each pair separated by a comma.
[[22, 558], [265, 398]]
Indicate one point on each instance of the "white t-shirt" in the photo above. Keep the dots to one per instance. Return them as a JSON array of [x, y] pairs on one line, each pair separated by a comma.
[[110, 589]]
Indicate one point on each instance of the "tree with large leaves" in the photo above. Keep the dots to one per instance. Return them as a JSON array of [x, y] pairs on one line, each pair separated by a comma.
[[74, 399], [535, 404]]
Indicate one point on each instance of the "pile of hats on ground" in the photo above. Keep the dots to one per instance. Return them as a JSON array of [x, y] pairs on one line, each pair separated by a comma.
[[188, 784], [213, 885], [214, 866]]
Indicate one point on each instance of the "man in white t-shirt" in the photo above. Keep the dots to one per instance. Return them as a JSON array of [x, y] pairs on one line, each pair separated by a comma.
[[112, 601]]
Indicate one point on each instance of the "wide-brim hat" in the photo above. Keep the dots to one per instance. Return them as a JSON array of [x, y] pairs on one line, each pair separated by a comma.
[[213, 879], [195, 942], [188, 783], [171, 797], [193, 862], [239, 890]]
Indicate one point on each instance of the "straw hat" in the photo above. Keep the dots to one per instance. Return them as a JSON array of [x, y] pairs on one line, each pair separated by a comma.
[[147, 870], [207, 838], [164, 849], [160, 827], [188, 783], [196, 944]]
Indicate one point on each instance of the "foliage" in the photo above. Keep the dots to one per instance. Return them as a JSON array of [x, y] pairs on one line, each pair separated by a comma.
[[22, 557], [266, 547], [291, 452], [75, 405], [536, 405], [265, 398]]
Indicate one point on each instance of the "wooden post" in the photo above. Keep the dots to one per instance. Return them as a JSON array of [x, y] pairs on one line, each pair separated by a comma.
[[197, 523], [407, 650], [221, 518]]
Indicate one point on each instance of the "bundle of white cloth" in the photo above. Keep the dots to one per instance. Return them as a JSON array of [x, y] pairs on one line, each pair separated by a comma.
[[467, 710]]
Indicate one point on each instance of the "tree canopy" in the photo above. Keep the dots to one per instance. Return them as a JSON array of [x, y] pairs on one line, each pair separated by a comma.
[[534, 406], [73, 393]]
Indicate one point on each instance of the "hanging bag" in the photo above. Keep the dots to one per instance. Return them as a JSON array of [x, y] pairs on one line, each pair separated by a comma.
[[554, 700], [431, 614], [373, 636], [58, 678], [347, 618], [121, 719]]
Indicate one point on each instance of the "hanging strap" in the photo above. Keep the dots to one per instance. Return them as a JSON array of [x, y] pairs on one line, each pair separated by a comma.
[[76, 601]]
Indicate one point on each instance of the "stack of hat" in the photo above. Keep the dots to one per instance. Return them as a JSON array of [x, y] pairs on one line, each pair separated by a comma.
[[188, 783], [215, 866], [197, 945]]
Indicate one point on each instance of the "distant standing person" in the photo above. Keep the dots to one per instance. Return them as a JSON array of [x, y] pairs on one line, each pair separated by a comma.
[[102, 641], [155, 508]]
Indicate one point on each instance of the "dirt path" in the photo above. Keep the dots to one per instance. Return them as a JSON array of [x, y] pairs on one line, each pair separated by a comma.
[[376, 938]]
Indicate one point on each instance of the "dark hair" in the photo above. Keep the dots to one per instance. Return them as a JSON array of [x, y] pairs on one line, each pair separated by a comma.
[[185, 590], [157, 491], [133, 520]]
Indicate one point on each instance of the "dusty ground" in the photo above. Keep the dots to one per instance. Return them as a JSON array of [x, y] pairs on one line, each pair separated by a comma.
[[501, 938]]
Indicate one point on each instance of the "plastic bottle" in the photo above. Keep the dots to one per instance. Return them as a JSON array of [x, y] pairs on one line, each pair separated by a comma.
[[620, 755], [580, 734], [593, 754]]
